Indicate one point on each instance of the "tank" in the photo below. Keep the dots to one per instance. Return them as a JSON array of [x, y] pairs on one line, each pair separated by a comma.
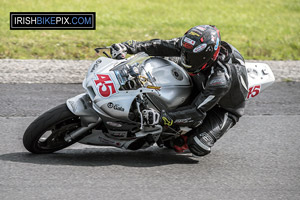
[[176, 85]]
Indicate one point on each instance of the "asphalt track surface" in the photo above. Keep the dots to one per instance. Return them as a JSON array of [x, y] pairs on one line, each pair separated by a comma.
[[259, 158]]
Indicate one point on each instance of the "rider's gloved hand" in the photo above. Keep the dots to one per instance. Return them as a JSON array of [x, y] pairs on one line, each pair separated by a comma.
[[165, 119], [118, 51]]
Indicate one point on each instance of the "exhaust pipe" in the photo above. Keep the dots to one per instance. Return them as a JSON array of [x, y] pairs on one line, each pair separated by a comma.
[[80, 132]]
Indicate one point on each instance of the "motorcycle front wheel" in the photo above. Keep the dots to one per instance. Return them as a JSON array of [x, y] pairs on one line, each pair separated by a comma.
[[46, 133]]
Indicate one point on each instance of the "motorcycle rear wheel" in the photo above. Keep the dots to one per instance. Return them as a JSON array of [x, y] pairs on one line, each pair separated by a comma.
[[46, 133]]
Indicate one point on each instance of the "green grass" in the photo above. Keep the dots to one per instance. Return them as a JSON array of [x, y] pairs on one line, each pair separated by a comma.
[[260, 29]]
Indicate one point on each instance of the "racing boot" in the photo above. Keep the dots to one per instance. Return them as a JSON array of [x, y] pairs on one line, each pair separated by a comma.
[[200, 144], [215, 125]]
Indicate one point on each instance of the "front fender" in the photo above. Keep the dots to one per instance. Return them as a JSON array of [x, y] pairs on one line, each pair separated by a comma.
[[81, 105]]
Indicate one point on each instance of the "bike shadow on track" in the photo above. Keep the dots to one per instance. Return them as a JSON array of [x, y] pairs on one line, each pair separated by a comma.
[[104, 157]]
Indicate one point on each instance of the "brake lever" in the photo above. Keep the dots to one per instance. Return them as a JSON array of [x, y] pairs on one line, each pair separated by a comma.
[[106, 54], [98, 49]]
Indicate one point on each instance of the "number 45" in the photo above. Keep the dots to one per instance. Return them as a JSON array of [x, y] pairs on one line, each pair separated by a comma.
[[253, 91]]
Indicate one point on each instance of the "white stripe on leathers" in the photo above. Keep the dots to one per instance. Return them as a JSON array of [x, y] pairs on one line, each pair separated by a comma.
[[208, 99]]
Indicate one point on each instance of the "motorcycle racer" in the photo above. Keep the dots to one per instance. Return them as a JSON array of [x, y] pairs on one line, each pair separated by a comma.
[[219, 75]]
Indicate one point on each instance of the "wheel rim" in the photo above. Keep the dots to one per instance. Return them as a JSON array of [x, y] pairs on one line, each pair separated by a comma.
[[53, 137]]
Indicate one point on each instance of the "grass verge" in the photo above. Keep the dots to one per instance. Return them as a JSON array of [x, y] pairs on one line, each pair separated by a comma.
[[260, 29]]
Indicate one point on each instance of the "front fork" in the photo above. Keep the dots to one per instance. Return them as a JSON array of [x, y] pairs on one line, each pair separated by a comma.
[[81, 105]]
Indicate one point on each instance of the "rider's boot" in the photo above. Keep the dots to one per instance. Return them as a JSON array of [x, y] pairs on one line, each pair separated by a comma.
[[203, 138], [200, 144]]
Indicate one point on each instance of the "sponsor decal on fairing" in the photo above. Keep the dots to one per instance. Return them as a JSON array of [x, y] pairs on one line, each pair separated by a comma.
[[253, 91], [105, 85]]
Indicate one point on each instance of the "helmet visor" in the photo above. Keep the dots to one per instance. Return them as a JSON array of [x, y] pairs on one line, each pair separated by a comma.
[[193, 61]]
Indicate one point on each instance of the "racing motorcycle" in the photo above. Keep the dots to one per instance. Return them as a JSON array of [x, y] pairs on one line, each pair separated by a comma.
[[114, 110]]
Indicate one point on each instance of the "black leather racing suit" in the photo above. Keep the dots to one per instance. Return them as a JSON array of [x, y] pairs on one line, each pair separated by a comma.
[[222, 86]]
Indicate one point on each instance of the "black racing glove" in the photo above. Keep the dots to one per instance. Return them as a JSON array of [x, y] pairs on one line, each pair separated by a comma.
[[118, 51]]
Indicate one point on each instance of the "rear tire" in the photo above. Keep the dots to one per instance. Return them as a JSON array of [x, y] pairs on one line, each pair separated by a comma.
[[46, 133]]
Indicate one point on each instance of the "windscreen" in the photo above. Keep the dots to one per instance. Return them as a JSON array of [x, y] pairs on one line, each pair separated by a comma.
[[133, 69]]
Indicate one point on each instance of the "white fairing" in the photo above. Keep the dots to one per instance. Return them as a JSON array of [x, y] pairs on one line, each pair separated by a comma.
[[105, 78], [116, 86], [113, 98], [260, 76]]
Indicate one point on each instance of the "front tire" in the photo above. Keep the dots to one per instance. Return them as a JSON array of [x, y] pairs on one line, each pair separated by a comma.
[[46, 133]]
